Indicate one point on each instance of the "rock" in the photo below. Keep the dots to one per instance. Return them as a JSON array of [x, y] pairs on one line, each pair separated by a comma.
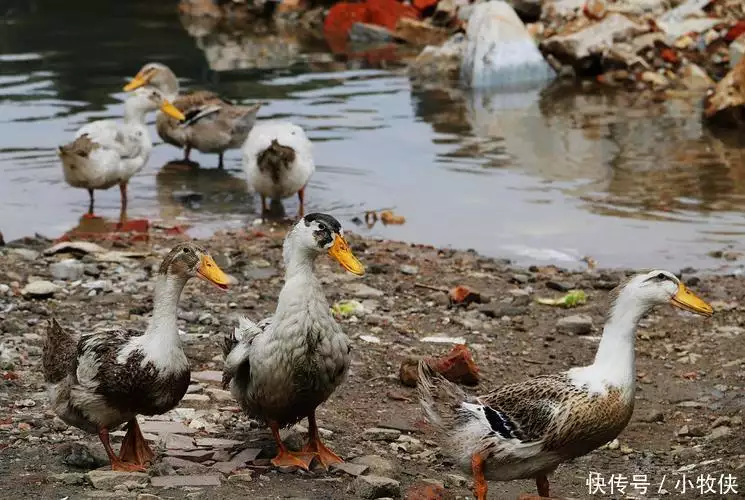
[[242, 478], [217, 443], [147, 496], [578, 324], [240, 459], [185, 466], [592, 41], [25, 253], [364, 291], [108, 479], [165, 427], [369, 33], [376, 487], [192, 455], [190, 480], [420, 33], [439, 62], [408, 269], [208, 376], [693, 77], [726, 106], [455, 480], [380, 434], [500, 52], [428, 490], [377, 465], [655, 79], [68, 269], [219, 395], [350, 468], [719, 432], [179, 442], [69, 478], [653, 416], [40, 289], [720, 421], [561, 286], [79, 455], [498, 310]]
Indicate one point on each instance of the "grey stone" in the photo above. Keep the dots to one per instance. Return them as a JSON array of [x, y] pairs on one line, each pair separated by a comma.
[[165, 427], [68, 269], [25, 253], [108, 479], [207, 376], [653, 416], [179, 442], [377, 465], [364, 291], [455, 480], [380, 434], [40, 289], [719, 432], [69, 478], [219, 395], [594, 39], [350, 468], [217, 443], [79, 455], [369, 33], [497, 310], [578, 324], [408, 269], [243, 477], [147, 496], [371, 487], [192, 455], [186, 466], [190, 480]]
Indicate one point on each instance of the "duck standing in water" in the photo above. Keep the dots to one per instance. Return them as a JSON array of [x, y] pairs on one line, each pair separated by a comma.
[[525, 430], [106, 153], [281, 369], [278, 161], [212, 124], [105, 378]]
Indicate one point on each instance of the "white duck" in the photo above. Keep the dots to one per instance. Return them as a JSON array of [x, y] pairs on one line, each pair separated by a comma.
[[525, 430], [281, 369], [278, 161], [106, 152]]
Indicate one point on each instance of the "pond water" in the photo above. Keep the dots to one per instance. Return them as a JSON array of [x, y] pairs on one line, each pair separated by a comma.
[[537, 176]]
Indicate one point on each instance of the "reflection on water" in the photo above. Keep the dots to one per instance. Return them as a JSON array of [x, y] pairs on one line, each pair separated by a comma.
[[532, 174]]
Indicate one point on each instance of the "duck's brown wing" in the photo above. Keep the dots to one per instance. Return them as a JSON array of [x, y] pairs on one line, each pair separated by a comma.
[[59, 353]]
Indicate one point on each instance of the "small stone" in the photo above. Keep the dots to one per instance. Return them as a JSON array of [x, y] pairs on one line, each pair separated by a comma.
[[68, 269], [192, 455], [578, 324], [108, 479], [217, 443], [185, 466], [719, 432], [408, 269], [380, 434], [219, 395], [148, 496], [364, 291], [241, 478], [455, 480], [561, 286], [25, 253], [377, 465], [195, 400], [208, 376], [520, 278], [653, 416], [179, 442], [720, 421], [40, 289], [350, 468], [372, 487], [614, 445], [80, 456], [498, 310], [69, 478], [191, 480], [165, 427]]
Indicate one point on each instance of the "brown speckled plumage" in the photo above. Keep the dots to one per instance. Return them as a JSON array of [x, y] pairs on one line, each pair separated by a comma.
[[274, 159], [59, 353], [82, 146]]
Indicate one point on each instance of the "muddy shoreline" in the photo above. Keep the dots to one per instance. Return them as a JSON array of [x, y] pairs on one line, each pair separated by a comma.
[[690, 371]]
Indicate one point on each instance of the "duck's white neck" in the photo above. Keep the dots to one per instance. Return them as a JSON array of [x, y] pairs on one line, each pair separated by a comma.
[[302, 292], [615, 356], [135, 111], [165, 306]]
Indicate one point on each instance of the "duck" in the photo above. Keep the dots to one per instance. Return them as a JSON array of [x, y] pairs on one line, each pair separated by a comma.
[[525, 430], [106, 152], [212, 124], [285, 366], [278, 161], [101, 379]]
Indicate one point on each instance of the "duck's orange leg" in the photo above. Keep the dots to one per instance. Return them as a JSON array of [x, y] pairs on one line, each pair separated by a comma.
[[134, 447], [284, 457], [116, 463], [479, 482], [325, 456]]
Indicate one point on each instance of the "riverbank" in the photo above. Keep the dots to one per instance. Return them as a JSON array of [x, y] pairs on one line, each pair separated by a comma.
[[688, 416]]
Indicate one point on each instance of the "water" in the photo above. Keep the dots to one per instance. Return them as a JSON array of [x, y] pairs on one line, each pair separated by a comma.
[[537, 176]]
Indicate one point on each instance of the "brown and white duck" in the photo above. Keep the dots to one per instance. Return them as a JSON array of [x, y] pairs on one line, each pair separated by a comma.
[[102, 379]]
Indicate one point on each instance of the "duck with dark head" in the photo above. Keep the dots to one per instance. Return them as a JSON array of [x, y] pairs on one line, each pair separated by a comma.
[[102, 379]]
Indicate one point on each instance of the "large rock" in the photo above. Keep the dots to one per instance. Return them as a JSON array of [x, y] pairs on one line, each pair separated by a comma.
[[376, 487], [40, 289], [593, 41], [439, 63], [377, 465], [579, 324], [108, 479], [68, 269], [726, 105], [500, 52]]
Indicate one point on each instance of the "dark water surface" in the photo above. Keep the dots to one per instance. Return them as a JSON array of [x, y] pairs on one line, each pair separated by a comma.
[[546, 176]]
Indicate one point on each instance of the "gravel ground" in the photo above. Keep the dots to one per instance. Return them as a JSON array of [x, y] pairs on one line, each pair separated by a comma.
[[687, 422]]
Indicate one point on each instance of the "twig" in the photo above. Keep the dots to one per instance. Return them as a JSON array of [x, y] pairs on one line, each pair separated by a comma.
[[430, 287]]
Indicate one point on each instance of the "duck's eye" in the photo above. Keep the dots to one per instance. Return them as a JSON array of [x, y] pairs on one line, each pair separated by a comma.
[[661, 276], [185, 250]]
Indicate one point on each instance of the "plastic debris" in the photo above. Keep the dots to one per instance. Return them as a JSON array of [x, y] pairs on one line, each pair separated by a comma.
[[572, 299]]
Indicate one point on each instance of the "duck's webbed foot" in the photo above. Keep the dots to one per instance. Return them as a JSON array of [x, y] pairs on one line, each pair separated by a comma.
[[316, 446], [134, 447], [284, 457], [116, 462]]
